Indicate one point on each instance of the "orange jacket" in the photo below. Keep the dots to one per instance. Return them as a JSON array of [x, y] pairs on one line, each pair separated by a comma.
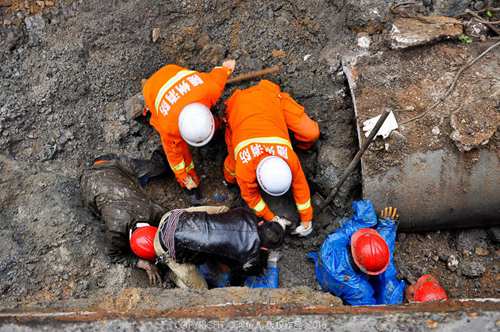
[[166, 93], [258, 119]]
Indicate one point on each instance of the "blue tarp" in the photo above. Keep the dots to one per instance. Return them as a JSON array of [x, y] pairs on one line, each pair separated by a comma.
[[336, 272], [217, 279]]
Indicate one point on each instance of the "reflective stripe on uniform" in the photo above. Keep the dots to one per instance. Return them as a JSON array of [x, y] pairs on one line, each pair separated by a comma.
[[179, 167], [171, 82], [261, 140], [229, 171], [304, 206], [190, 167], [260, 206]]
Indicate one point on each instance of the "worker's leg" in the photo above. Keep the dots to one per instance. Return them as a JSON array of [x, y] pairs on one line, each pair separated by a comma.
[[229, 162], [305, 129], [186, 275]]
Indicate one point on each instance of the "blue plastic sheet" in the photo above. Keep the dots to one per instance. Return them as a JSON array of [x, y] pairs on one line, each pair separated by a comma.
[[218, 279], [270, 279], [214, 277], [335, 269]]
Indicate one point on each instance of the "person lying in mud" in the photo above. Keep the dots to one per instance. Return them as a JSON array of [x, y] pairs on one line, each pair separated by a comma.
[[236, 238], [111, 188]]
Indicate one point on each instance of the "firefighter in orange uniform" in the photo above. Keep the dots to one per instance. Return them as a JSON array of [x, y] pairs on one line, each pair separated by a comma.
[[260, 153], [179, 101]]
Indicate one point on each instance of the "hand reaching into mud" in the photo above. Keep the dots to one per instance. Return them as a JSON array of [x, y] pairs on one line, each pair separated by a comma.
[[389, 213], [151, 270], [229, 64], [189, 183]]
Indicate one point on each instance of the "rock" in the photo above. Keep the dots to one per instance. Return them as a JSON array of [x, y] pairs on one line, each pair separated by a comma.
[[481, 251], [450, 7], [469, 239], [134, 106], [366, 15], [436, 131], [35, 25], [475, 29], [213, 54], [452, 263], [494, 233], [474, 124], [331, 163], [363, 40], [155, 34], [473, 269], [409, 32]]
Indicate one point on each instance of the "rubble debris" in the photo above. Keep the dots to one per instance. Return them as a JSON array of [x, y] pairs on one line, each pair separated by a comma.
[[409, 32], [481, 251], [134, 106], [452, 263], [475, 29], [473, 128], [472, 269], [155, 35], [494, 233]]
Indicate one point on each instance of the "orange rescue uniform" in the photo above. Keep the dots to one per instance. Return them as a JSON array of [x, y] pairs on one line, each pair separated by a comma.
[[165, 94], [258, 119]]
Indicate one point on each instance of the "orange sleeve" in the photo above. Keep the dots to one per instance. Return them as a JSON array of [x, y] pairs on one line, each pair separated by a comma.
[[300, 189], [218, 76], [305, 129], [175, 149], [251, 195], [229, 163]]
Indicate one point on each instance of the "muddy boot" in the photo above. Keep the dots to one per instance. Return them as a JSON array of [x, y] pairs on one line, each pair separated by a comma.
[[186, 275], [194, 196]]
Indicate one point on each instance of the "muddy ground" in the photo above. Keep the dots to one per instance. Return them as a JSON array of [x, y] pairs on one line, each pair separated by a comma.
[[66, 71]]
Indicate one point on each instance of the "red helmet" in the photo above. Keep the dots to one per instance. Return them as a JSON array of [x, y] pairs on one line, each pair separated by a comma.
[[428, 289], [142, 242], [369, 251]]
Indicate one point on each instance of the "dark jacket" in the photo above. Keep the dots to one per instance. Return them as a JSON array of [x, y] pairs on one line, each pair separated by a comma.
[[112, 191], [230, 237]]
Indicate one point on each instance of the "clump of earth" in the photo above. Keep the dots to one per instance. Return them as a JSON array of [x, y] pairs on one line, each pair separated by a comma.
[[68, 68]]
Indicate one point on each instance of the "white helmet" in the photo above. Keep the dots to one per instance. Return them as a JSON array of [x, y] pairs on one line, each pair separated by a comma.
[[274, 175], [196, 124]]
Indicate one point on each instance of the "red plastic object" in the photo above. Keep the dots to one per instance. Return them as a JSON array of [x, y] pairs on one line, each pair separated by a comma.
[[428, 289]]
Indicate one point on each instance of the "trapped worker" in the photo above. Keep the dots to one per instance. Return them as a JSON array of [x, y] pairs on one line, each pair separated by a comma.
[[356, 262], [179, 102], [234, 237], [260, 154], [111, 189]]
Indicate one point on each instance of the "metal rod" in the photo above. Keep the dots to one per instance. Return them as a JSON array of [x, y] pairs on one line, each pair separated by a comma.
[[355, 160]]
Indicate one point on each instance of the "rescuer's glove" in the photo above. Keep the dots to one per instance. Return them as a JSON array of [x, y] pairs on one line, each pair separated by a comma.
[[304, 229], [282, 221], [389, 213]]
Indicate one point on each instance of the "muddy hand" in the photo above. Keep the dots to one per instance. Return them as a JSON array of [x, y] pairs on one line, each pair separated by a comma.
[[189, 183], [229, 64], [389, 213], [151, 270]]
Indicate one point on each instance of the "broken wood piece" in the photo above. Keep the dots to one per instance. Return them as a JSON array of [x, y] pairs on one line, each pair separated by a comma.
[[254, 74]]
